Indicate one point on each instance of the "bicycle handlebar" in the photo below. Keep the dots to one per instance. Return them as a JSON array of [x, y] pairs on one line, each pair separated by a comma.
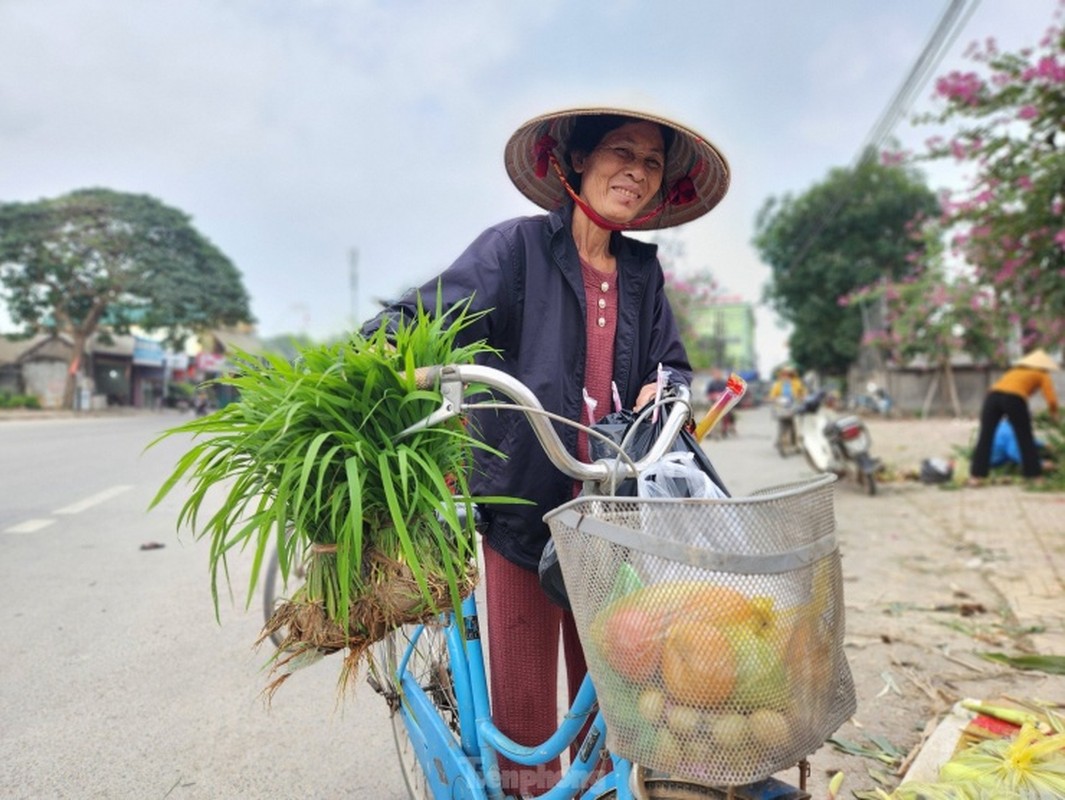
[[452, 377]]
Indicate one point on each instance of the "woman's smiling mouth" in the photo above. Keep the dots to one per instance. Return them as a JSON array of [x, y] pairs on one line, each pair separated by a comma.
[[628, 194]]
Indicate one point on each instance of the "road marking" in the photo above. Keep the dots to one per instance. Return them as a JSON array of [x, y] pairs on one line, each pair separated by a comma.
[[93, 500], [29, 526]]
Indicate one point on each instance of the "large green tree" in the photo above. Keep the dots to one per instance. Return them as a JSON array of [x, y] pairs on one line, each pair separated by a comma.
[[840, 235], [94, 255]]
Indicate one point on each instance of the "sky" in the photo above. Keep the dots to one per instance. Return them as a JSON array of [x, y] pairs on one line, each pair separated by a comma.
[[317, 140]]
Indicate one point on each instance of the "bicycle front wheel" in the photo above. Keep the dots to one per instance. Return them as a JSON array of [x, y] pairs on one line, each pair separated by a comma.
[[430, 667], [271, 592], [273, 587], [666, 789]]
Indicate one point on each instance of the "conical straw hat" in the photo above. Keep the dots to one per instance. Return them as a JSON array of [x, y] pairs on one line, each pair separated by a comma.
[[694, 164], [1038, 359]]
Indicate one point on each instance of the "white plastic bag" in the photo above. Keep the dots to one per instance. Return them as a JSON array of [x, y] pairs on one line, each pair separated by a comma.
[[676, 475]]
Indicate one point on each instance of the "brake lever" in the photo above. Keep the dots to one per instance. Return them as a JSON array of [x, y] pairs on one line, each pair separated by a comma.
[[451, 406]]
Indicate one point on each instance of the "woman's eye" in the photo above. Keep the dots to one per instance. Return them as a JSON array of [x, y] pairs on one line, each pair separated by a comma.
[[626, 155]]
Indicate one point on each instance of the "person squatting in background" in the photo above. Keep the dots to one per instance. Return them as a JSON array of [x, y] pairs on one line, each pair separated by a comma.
[[1008, 397]]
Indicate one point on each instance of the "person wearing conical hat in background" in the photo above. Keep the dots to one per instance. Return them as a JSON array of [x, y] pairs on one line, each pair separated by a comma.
[[573, 305], [788, 385], [1008, 397]]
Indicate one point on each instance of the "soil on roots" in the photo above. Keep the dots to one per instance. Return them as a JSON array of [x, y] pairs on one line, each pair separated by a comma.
[[391, 600]]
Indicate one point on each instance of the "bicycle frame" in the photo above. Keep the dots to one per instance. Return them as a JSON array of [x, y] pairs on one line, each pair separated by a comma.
[[466, 766], [471, 761]]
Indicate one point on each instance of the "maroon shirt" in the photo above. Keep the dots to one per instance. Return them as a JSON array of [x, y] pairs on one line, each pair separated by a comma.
[[600, 325]]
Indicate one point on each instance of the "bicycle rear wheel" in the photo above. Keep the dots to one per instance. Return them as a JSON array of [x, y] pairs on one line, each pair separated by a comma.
[[430, 666]]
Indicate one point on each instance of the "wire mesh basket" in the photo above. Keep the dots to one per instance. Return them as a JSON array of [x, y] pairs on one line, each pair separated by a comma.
[[713, 629]]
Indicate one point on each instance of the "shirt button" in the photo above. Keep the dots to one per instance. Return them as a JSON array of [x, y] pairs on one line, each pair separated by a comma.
[[604, 286], [602, 302], [602, 322]]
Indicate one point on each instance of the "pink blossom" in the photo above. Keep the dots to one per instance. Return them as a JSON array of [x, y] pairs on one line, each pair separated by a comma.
[[1028, 112], [1059, 238], [1009, 269], [1050, 69], [963, 87], [1057, 205], [1024, 182]]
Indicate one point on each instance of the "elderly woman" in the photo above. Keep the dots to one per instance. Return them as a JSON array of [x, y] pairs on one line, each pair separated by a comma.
[[572, 305]]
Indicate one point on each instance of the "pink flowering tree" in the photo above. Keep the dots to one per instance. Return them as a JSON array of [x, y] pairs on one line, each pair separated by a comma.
[[927, 314], [1008, 223]]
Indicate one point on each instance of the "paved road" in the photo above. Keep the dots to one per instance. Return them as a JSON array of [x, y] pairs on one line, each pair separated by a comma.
[[117, 680]]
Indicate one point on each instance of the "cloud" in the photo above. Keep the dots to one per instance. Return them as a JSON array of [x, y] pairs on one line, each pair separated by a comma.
[[294, 131]]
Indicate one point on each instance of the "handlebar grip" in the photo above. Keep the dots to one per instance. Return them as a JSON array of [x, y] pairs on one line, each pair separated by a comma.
[[426, 377]]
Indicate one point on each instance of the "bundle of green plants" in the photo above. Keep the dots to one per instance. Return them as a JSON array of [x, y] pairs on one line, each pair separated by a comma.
[[309, 460]]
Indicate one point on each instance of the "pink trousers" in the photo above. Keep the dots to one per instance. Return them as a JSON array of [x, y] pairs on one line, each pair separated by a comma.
[[524, 630]]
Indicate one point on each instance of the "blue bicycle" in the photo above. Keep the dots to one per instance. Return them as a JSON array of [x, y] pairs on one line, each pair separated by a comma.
[[434, 679]]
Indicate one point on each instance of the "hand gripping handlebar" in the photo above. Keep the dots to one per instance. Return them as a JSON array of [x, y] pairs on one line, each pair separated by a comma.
[[453, 377]]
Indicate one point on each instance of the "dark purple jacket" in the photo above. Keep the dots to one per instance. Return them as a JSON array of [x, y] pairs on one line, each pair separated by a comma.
[[526, 271]]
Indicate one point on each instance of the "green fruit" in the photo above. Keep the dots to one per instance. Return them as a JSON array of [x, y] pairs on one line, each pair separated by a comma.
[[761, 673], [626, 582]]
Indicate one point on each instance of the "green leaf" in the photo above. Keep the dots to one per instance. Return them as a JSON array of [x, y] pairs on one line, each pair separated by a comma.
[[1052, 665]]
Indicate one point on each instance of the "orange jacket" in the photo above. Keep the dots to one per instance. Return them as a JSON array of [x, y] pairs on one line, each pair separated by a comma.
[[1024, 382]]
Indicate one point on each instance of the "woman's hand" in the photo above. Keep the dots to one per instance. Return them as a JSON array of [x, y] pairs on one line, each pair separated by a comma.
[[646, 395]]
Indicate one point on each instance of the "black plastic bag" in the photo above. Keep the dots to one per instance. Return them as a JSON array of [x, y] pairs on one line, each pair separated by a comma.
[[639, 434]]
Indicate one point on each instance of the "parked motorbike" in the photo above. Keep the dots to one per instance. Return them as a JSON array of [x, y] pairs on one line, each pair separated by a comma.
[[836, 444]]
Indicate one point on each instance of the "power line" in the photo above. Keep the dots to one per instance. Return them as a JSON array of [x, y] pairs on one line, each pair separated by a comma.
[[954, 19], [951, 23]]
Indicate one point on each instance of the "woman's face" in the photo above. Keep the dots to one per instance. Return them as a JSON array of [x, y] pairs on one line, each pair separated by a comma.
[[624, 171]]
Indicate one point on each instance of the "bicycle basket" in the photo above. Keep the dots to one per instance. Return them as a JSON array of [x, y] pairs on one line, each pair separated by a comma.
[[713, 629]]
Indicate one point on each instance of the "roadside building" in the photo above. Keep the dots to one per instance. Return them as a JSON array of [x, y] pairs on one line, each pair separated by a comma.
[[725, 334]]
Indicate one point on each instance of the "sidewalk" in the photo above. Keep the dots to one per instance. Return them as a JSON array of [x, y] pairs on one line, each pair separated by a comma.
[[936, 578], [1022, 533]]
